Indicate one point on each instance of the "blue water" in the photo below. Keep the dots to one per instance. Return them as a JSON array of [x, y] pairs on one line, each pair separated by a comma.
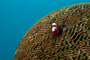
[[17, 16]]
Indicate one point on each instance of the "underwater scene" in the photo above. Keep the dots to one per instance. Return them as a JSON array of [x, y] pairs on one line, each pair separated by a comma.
[[45, 29]]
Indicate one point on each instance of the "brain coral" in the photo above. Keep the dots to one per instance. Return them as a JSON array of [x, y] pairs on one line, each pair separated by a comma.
[[74, 44]]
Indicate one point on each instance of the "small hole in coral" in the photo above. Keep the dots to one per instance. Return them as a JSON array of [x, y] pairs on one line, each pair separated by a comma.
[[58, 57]]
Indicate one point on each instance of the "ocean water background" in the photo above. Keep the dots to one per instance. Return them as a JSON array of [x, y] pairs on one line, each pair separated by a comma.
[[17, 16]]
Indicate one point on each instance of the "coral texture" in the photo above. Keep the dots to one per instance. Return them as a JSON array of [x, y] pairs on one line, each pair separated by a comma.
[[74, 44]]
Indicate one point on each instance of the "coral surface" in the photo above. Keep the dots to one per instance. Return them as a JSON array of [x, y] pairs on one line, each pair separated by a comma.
[[73, 44]]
